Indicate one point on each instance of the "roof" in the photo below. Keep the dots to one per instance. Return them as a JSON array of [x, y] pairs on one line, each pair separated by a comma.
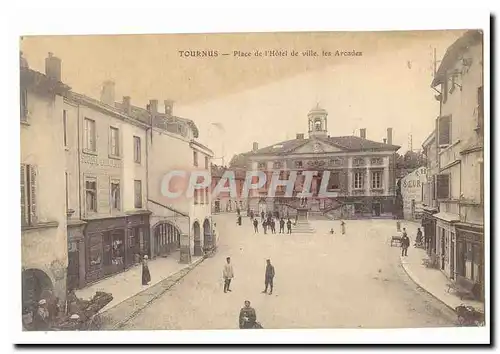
[[30, 77], [449, 217], [429, 139], [453, 53], [347, 143]]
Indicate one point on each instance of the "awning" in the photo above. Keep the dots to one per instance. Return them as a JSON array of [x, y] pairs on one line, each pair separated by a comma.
[[449, 217]]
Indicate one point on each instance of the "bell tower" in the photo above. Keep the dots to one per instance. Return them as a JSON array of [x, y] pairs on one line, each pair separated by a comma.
[[317, 120]]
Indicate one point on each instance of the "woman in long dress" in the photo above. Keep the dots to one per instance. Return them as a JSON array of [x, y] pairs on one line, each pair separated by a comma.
[[146, 276]]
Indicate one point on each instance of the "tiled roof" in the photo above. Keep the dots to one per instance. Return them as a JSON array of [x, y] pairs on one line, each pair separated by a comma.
[[453, 53], [32, 77], [347, 143]]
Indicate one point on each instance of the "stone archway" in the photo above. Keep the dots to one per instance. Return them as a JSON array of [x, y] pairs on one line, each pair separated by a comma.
[[166, 238], [197, 239], [207, 235], [36, 285]]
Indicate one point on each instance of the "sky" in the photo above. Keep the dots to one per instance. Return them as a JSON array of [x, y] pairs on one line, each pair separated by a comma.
[[264, 99]]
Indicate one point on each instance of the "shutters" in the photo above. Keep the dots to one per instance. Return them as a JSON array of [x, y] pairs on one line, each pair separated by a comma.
[[28, 195], [444, 130], [443, 186]]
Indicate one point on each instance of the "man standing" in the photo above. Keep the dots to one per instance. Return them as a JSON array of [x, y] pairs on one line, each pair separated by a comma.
[[405, 243], [273, 226], [282, 226], [264, 226], [262, 215], [248, 317], [255, 226], [289, 226], [342, 226], [227, 274], [269, 277]]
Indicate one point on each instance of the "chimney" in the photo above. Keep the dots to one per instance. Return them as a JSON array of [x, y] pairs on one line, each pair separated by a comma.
[[300, 136], [389, 136], [127, 108], [169, 107], [385, 141], [53, 67], [108, 93], [362, 133], [153, 106], [255, 147]]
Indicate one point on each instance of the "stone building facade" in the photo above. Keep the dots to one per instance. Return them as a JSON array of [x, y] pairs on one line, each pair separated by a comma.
[[459, 178], [361, 180], [44, 252]]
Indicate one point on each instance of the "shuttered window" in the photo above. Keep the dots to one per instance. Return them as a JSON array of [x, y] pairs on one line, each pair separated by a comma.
[[444, 130], [138, 194], [443, 186], [480, 108], [28, 195]]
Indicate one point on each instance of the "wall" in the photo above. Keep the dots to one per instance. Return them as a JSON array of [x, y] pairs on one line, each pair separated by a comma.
[[41, 145], [132, 170], [72, 157], [99, 164]]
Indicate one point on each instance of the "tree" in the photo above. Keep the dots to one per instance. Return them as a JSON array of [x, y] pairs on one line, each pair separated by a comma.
[[410, 160], [238, 161]]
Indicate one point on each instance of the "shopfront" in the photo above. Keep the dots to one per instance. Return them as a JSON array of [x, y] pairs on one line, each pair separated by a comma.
[[429, 229], [76, 255], [114, 244], [470, 255], [446, 242]]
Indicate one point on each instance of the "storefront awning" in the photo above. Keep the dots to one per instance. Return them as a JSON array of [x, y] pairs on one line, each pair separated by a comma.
[[449, 217]]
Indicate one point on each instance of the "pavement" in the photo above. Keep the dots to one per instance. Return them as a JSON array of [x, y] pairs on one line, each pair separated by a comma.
[[129, 283], [434, 281], [322, 281]]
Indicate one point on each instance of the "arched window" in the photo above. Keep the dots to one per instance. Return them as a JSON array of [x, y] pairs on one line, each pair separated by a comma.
[[318, 125]]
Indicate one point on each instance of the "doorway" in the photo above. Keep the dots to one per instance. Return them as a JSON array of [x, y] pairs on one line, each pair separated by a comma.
[[376, 209], [73, 280]]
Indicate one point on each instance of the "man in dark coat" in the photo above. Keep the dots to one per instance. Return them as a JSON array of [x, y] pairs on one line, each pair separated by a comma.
[[264, 226], [269, 277], [273, 226], [282, 226], [405, 243], [255, 226], [289, 226], [262, 214], [248, 317]]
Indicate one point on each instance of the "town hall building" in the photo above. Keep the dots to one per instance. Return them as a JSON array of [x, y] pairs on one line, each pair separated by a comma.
[[361, 180]]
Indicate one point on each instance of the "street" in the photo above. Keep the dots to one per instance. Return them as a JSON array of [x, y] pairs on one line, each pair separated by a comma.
[[322, 281]]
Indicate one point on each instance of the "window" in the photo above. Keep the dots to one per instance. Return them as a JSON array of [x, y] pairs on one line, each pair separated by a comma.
[[444, 130], [67, 189], [443, 186], [262, 165], [195, 158], [317, 125], [114, 141], [480, 108], [91, 194], [358, 180], [90, 135], [376, 161], [376, 179], [28, 195], [24, 105], [137, 149], [65, 128], [276, 164], [196, 197], [335, 162], [115, 195], [298, 164], [137, 194], [334, 181], [206, 162]]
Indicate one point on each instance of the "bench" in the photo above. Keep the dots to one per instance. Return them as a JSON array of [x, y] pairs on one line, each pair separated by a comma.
[[462, 287]]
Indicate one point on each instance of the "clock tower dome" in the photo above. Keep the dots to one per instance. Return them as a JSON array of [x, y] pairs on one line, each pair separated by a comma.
[[317, 119]]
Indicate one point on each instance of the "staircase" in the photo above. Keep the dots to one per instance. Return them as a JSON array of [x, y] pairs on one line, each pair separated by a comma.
[[303, 227]]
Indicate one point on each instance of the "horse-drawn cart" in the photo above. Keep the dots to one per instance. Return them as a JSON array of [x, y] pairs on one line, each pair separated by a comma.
[[396, 240]]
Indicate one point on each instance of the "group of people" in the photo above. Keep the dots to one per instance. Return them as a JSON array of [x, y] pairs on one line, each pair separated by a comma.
[[405, 241], [248, 317], [269, 222]]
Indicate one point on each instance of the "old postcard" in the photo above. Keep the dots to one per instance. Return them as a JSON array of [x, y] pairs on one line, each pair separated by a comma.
[[236, 181]]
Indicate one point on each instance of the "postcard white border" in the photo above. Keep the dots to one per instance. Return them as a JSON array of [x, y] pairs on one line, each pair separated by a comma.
[[60, 17]]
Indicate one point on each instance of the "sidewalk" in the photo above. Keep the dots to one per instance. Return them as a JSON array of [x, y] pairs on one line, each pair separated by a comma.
[[129, 283], [433, 280]]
